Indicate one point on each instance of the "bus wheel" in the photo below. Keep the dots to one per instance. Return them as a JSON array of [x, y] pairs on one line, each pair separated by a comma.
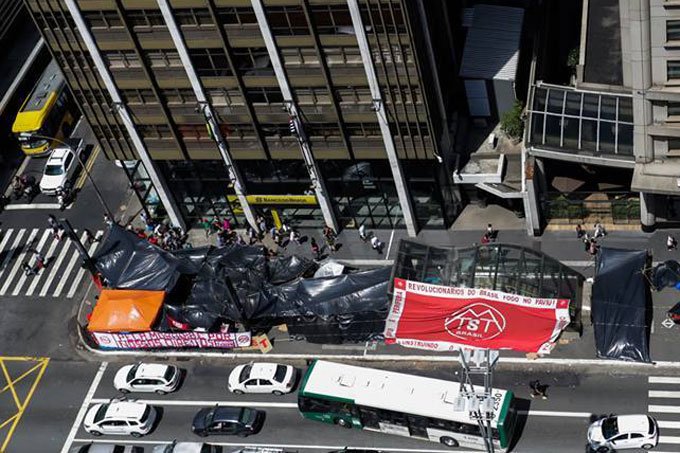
[[449, 441], [342, 422]]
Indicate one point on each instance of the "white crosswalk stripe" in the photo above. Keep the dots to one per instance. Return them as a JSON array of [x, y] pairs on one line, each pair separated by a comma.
[[59, 276], [664, 405]]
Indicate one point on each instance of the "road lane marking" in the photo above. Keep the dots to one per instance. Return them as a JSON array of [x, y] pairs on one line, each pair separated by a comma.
[[5, 238], [272, 405], [11, 251], [280, 446], [81, 271], [69, 268], [669, 440], [87, 168], [22, 279], [389, 247], [663, 380], [21, 405], [83, 408], [664, 409], [18, 207], [48, 260], [664, 394], [55, 269], [208, 403], [20, 260], [668, 424]]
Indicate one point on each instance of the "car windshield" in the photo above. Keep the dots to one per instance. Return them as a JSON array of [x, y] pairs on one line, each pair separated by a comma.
[[280, 373], [99, 416], [54, 170], [245, 372], [610, 427], [652, 425], [245, 415], [132, 373], [169, 373], [145, 415]]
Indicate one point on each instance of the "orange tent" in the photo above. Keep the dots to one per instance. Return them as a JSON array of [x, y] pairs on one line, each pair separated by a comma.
[[126, 311]]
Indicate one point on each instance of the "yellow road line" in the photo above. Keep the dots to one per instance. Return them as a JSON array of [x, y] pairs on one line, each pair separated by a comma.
[[9, 382], [6, 422], [88, 167], [15, 381], [22, 406]]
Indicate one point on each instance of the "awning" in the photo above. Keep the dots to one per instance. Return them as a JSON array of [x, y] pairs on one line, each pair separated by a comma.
[[126, 311]]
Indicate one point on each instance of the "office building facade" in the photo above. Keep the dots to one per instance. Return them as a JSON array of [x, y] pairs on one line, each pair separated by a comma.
[[616, 127], [333, 112]]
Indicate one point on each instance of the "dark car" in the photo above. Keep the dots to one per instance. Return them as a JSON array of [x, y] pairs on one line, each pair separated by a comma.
[[238, 421]]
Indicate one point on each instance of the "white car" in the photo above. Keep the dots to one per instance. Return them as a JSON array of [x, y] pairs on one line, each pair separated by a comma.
[[120, 417], [262, 378], [187, 447], [620, 432], [60, 168], [147, 377]]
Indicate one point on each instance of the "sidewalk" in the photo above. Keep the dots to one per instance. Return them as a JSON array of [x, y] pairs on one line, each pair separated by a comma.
[[561, 245]]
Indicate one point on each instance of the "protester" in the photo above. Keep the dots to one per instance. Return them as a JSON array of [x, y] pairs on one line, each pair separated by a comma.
[[316, 250], [362, 233], [579, 231], [671, 243], [376, 244], [599, 231]]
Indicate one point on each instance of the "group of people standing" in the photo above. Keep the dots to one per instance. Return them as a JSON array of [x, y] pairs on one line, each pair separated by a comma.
[[590, 242], [159, 233]]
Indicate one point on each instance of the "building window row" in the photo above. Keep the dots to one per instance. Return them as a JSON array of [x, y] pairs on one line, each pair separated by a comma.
[[673, 69], [224, 97], [155, 131], [145, 18], [138, 96], [210, 62], [102, 19], [383, 18], [193, 16], [161, 58], [117, 59]]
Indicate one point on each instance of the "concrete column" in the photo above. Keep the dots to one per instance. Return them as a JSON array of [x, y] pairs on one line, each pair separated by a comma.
[[381, 114], [232, 172], [647, 211], [641, 78], [119, 106], [531, 197], [296, 124]]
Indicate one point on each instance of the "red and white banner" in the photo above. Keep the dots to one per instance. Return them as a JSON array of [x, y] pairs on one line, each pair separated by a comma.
[[443, 318], [162, 340]]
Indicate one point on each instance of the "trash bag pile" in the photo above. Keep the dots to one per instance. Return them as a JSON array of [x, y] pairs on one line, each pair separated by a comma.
[[209, 286]]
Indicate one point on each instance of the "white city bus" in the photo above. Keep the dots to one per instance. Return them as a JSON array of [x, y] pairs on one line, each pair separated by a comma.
[[401, 404]]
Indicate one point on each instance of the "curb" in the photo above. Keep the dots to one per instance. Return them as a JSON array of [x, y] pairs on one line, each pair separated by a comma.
[[510, 362]]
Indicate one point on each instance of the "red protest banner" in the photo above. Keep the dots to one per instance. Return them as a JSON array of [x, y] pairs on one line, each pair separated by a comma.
[[444, 318]]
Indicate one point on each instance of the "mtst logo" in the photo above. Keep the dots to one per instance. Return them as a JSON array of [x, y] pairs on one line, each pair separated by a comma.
[[475, 322]]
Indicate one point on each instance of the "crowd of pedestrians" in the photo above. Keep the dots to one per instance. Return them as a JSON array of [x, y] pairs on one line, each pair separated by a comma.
[[590, 243], [160, 233]]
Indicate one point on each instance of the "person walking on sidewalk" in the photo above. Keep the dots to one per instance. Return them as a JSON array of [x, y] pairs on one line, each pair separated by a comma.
[[538, 389], [362, 233], [316, 250], [599, 231], [671, 243], [579, 231], [376, 244], [294, 236], [329, 235]]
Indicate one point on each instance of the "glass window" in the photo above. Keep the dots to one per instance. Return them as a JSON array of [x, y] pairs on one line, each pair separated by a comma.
[[539, 99], [236, 15], [626, 109], [673, 70], [591, 105], [625, 139], [608, 108], [537, 128], [287, 20], [331, 19], [607, 130], [210, 62], [673, 109], [553, 126], [672, 30], [573, 106], [571, 126], [193, 16], [555, 101], [145, 18], [589, 135]]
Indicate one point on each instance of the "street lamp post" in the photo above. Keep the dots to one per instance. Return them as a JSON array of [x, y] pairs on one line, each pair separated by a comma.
[[80, 161]]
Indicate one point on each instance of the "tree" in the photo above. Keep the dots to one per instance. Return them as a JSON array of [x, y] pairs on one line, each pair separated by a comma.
[[511, 121]]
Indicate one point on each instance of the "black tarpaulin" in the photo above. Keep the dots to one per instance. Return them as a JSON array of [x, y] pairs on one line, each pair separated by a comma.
[[129, 262], [621, 305]]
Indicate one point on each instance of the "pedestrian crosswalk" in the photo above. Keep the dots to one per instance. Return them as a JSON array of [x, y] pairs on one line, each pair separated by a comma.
[[62, 274], [664, 405]]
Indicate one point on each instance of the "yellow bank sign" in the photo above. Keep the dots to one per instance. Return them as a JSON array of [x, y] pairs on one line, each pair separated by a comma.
[[302, 200]]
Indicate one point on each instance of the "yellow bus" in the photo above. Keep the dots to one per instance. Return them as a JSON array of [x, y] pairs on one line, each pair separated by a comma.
[[47, 112]]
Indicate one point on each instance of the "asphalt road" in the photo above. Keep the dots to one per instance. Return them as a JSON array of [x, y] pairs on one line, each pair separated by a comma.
[[558, 424]]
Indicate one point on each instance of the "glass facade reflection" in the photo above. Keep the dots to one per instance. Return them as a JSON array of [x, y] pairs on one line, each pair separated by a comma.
[[568, 120], [502, 267]]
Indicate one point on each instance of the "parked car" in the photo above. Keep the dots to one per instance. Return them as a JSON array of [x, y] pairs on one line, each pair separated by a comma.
[[60, 168], [147, 377], [239, 421], [188, 447], [620, 432], [262, 378], [120, 417], [106, 448]]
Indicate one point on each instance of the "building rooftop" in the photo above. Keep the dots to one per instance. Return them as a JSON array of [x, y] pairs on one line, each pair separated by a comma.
[[492, 44], [603, 63]]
